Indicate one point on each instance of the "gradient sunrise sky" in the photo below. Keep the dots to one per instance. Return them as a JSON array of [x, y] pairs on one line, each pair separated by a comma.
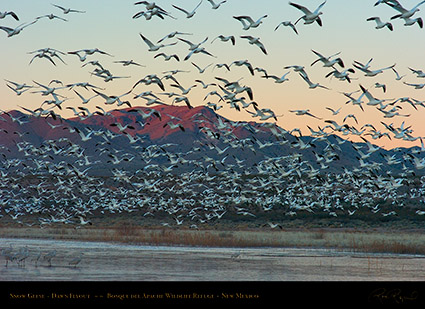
[[109, 26]]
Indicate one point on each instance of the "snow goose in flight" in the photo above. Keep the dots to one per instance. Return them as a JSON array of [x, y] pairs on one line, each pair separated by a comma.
[[312, 85], [350, 116], [83, 221], [255, 41], [302, 112], [201, 70], [364, 66], [18, 92], [263, 114], [48, 90], [19, 86], [122, 128], [398, 76], [167, 57], [386, 2], [416, 86], [404, 13], [380, 24], [372, 73], [193, 46], [11, 13], [205, 86], [84, 137], [92, 51], [197, 51], [341, 75], [67, 10], [11, 32], [245, 63], [111, 99], [188, 14], [297, 68], [248, 22], [150, 5], [51, 16], [273, 225], [129, 62], [225, 39], [278, 80], [84, 100], [309, 17], [327, 62], [383, 86], [150, 79], [172, 35], [286, 23], [183, 90], [42, 55], [372, 100], [419, 73], [151, 13], [410, 21], [334, 112], [174, 126], [153, 47], [217, 5]]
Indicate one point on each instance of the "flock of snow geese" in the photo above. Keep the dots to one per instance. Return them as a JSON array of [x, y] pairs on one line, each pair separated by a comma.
[[38, 189]]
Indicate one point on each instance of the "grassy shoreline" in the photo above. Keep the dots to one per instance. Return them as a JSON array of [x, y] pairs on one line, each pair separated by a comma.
[[355, 240]]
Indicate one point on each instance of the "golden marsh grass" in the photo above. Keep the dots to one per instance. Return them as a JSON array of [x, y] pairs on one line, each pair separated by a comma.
[[383, 241]]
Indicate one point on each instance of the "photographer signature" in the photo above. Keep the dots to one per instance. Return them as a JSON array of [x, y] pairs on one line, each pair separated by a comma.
[[384, 295]]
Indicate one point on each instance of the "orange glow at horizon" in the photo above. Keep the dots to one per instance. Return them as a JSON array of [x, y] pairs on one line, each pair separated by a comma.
[[347, 33]]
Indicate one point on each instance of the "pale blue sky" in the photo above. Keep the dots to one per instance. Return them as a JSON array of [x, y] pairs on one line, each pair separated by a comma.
[[108, 25]]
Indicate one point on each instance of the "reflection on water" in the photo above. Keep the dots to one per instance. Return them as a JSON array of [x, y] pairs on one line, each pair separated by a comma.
[[116, 262]]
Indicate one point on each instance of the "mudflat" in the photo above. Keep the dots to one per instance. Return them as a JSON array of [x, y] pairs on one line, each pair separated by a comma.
[[105, 261]]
